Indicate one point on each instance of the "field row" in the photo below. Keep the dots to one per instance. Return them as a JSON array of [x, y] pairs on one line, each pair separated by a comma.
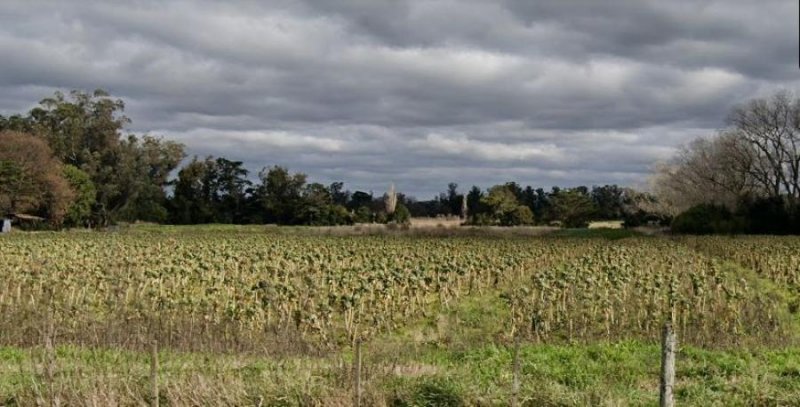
[[239, 289]]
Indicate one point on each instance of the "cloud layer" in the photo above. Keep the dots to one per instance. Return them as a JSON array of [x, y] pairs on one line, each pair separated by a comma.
[[419, 93]]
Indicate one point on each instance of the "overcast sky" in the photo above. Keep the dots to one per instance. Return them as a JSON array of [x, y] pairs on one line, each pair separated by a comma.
[[420, 93]]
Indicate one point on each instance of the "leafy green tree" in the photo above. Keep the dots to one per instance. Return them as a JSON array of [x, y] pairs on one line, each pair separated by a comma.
[[474, 197], [401, 215], [317, 201], [228, 184], [360, 199], [522, 215], [503, 207], [80, 211], [338, 194], [132, 186], [609, 200], [18, 123], [363, 215], [453, 200], [573, 207], [281, 195], [80, 127], [191, 203]]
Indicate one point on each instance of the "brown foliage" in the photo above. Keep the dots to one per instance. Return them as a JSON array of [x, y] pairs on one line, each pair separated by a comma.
[[31, 178]]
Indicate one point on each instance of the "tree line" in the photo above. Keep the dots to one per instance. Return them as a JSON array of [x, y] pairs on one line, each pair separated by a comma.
[[70, 160]]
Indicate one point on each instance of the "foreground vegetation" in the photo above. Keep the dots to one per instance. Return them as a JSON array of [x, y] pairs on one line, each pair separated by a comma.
[[624, 373], [270, 316]]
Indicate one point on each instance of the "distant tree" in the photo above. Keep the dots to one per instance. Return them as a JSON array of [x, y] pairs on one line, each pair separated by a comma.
[[281, 195], [363, 215], [360, 199], [17, 123], [474, 197], [528, 198], [319, 209], [522, 215], [516, 189], [338, 194], [609, 200], [542, 206], [401, 215], [641, 208], [503, 207], [229, 184], [31, 178], [573, 207], [191, 201], [453, 205]]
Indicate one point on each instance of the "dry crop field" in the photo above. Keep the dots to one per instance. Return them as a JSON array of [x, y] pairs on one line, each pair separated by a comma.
[[255, 316]]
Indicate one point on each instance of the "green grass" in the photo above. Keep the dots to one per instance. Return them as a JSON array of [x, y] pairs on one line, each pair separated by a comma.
[[453, 357], [604, 233], [624, 373]]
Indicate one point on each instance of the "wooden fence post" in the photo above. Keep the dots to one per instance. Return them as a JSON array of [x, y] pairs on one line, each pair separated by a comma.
[[668, 347], [154, 372], [515, 383], [357, 374]]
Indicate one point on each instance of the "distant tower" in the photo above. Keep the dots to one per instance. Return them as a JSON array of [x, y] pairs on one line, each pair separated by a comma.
[[464, 208], [390, 200]]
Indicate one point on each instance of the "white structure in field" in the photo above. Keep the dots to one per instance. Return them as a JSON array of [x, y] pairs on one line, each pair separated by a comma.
[[5, 225]]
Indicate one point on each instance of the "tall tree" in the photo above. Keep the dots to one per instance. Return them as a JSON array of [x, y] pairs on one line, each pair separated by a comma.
[[281, 194], [474, 197], [191, 202], [80, 127], [770, 154], [609, 200], [230, 185]]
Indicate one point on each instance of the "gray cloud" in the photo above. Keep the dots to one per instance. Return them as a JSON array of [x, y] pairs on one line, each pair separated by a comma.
[[419, 93]]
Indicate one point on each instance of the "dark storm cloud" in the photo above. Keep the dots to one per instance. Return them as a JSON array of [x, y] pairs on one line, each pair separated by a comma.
[[418, 93]]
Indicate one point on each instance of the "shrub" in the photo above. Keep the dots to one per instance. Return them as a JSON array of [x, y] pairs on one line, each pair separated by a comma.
[[363, 215], [522, 215], [401, 215], [433, 393], [706, 219], [768, 216]]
